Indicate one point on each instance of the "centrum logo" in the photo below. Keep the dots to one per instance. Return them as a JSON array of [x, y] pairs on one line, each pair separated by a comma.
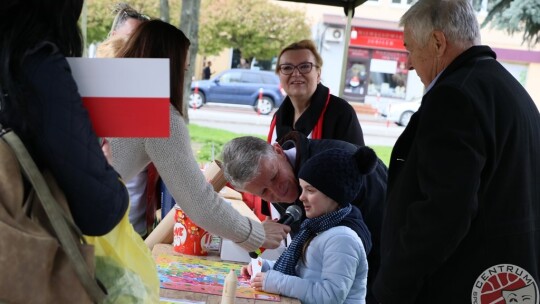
[[505, 284]]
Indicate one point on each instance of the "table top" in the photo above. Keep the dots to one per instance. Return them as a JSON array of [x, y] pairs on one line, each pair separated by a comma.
[[202, 297]]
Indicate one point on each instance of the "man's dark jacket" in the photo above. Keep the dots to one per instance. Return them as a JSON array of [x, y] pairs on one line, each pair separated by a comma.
[[463, 188]]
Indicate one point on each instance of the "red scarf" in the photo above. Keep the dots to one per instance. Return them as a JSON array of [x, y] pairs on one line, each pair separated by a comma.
[[316, 133]]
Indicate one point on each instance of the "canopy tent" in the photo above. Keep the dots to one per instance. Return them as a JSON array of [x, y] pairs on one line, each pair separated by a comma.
[[348, 7]]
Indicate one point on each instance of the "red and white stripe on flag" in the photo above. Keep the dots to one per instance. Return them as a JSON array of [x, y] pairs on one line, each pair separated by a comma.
[[125, 97]]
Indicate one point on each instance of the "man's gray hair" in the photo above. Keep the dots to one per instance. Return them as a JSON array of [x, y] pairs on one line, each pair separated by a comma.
[[455, 18], [241, 157]]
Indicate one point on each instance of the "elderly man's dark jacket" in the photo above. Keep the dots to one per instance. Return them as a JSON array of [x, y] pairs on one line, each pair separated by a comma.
[[464, 190]]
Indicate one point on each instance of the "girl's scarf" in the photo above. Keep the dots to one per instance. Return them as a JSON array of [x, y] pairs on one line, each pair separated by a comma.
[[310, 227]]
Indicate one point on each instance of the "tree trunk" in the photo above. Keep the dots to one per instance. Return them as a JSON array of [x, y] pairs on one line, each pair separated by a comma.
[[164, 11], [189, 24]]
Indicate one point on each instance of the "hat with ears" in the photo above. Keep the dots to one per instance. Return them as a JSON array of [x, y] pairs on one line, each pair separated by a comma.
[[339, 173]]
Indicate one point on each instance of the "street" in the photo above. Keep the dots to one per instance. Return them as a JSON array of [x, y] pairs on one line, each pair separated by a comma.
[[377, 132]]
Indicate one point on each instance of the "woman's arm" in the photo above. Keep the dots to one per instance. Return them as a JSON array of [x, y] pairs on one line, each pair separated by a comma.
[[174, 160]]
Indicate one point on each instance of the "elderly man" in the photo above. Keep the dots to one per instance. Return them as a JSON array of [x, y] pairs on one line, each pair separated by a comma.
[[271, 171], [462, 222]]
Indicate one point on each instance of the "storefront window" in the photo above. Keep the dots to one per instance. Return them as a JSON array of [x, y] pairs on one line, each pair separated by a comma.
[[375, 73], [387, 74], [357, 74]]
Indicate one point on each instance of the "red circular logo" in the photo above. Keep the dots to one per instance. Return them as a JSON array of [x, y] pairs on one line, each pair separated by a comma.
[[505, 284]]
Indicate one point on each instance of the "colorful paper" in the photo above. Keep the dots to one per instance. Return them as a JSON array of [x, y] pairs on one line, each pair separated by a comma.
[[204, 276]]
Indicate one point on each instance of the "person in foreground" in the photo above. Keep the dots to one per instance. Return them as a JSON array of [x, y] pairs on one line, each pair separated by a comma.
[[463, 207], [39, 100], [173, 157], [326, 261]]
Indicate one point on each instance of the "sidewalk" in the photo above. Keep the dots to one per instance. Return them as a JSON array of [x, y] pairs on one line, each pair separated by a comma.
[[365, 112], [375, 128]]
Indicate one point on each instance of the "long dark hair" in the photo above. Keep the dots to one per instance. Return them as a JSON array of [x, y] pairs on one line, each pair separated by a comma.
[[25, 25], [158, 39]]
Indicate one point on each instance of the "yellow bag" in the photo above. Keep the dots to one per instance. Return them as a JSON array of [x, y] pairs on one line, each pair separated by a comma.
[[124, 264]]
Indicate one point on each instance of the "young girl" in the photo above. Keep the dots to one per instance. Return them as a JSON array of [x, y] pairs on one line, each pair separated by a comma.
[[326, 262]]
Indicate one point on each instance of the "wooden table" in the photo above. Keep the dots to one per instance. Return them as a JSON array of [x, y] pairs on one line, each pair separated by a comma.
[[206, 298]]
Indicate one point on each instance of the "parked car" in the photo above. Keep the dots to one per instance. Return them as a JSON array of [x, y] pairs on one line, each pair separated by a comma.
[[258, 89], [400, 112]]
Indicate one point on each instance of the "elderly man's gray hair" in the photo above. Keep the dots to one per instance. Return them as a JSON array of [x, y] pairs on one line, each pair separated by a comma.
[[455, 18], [241, 157]]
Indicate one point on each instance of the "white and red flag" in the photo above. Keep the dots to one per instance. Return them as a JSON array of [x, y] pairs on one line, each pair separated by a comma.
[[125, 97]]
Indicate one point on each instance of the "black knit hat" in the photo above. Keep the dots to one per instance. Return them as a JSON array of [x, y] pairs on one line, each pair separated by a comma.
[[338, 173]]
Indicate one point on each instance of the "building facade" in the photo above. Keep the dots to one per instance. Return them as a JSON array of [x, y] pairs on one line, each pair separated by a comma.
[[375, 70]]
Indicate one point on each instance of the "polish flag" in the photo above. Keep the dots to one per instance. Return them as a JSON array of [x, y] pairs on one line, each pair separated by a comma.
[[125, 97]]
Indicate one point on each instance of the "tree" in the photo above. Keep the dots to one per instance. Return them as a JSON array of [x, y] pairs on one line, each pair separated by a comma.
[[516, 16], [256, 27], [164, 11], [189, 24]]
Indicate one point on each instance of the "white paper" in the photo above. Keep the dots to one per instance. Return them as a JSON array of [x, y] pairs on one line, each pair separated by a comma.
[[256, 266]]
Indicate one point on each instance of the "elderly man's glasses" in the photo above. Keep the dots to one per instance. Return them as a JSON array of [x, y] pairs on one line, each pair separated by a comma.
[[303, 68]]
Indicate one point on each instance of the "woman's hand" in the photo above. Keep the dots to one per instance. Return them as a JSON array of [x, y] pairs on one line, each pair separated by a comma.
[[274, 233], [106, 148]]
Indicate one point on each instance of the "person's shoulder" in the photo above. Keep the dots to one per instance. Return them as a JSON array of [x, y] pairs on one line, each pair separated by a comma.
[[45, 63], [45, 54], [340, 239], [339, 234], [321, 145], [340, 103]]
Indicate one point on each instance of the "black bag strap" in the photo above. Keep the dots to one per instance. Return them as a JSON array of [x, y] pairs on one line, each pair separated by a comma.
[[55, 214]]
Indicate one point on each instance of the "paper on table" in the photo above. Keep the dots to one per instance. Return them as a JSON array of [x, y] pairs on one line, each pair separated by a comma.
[[256, 266]]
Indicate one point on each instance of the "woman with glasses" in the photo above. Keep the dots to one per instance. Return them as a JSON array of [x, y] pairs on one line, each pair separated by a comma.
[[312, 110], [309, 107]]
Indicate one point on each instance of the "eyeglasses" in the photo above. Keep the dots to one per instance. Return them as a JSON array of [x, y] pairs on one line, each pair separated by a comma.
[[303, 68]]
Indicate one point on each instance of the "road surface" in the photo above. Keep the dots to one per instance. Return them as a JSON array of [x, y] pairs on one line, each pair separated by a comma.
[[377, 132]]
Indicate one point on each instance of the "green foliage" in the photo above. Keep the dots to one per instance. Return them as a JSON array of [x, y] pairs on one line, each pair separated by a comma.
[[204, 139], [257, 28], [516, 16], [383, 152]]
